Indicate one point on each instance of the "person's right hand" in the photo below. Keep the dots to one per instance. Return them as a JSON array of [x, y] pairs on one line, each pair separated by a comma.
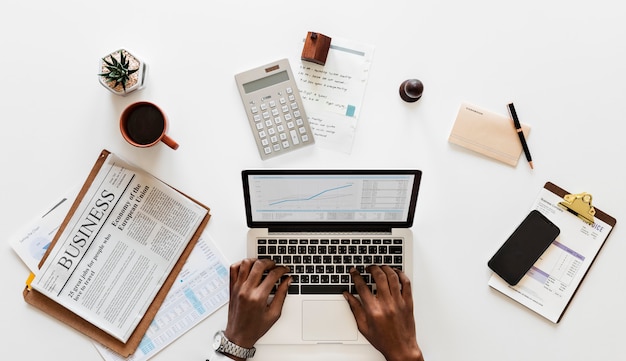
[[386, 319]]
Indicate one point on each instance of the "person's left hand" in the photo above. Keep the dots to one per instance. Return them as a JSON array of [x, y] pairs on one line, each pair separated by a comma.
[[250, 315]]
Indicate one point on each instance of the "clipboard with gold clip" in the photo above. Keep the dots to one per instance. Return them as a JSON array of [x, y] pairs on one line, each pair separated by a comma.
[[584, 231]]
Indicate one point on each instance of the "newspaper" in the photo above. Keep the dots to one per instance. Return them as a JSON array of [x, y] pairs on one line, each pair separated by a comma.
[[118, 248]]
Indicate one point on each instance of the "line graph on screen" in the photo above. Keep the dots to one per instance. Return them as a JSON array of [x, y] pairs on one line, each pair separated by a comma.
[[330, 196]]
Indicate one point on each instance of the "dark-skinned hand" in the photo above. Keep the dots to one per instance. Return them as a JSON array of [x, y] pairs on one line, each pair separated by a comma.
[[386, 318], [250, 313]]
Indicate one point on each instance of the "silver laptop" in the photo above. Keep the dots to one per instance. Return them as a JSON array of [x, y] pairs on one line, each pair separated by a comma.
[[321, 223]]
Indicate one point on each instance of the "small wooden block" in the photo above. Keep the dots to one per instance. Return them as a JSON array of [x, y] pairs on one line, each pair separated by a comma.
[[316, 47]]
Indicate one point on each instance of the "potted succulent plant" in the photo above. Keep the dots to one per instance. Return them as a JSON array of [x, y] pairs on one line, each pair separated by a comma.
[[121, 72]]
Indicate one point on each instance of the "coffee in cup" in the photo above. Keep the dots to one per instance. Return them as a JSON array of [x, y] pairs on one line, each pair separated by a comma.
[[143, 124]]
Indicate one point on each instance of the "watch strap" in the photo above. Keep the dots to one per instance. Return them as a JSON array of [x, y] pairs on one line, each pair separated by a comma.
[[229, 347]]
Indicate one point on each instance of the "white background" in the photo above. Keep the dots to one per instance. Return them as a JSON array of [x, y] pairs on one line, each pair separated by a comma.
[[561, 63]]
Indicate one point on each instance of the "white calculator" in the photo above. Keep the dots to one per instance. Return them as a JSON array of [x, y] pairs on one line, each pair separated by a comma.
[[274, 108]]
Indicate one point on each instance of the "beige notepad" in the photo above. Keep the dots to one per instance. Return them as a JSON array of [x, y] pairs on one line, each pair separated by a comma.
[[487, 133]]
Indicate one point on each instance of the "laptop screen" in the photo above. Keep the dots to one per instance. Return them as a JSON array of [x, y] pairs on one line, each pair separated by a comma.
[[336, 198]]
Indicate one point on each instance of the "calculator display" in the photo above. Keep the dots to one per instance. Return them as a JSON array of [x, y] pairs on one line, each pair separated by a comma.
[[266, 82]]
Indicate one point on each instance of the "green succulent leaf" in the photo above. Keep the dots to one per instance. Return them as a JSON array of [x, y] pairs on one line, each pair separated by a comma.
[[107, 62], [118, 70]]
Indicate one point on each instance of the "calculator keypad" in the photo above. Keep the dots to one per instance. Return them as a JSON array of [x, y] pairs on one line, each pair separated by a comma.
[[278, 122]]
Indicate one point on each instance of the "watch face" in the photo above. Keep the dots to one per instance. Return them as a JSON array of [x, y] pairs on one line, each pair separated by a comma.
[[217, 341]]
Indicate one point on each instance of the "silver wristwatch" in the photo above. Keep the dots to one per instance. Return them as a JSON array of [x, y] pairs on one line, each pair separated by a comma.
[[223, 345]]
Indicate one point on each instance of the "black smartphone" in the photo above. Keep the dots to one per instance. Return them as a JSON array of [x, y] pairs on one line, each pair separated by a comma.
[[524, 247]]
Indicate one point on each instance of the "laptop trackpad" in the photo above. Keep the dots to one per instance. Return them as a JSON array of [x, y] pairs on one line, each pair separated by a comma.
[[328, 321]]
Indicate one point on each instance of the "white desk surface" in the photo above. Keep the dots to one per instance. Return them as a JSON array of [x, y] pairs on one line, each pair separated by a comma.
[[561, 62]]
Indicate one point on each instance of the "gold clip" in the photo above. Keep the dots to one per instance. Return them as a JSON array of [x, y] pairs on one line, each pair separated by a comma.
[[580, 205]]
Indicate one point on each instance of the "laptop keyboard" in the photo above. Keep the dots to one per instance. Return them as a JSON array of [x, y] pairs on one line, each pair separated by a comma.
[[322, 266]]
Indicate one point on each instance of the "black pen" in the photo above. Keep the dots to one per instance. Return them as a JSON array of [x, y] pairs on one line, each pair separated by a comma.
[[518, 127]]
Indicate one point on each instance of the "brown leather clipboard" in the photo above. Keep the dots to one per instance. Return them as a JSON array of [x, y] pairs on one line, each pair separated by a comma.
[[55, 310], [598, 214]]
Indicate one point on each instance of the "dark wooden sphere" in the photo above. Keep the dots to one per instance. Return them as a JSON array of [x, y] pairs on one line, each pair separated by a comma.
[[411, 90]]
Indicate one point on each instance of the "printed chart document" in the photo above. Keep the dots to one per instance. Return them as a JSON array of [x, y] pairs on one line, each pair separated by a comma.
[[111, 257], [549, 285], [333, 93], [201, 288], [33, 240]]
